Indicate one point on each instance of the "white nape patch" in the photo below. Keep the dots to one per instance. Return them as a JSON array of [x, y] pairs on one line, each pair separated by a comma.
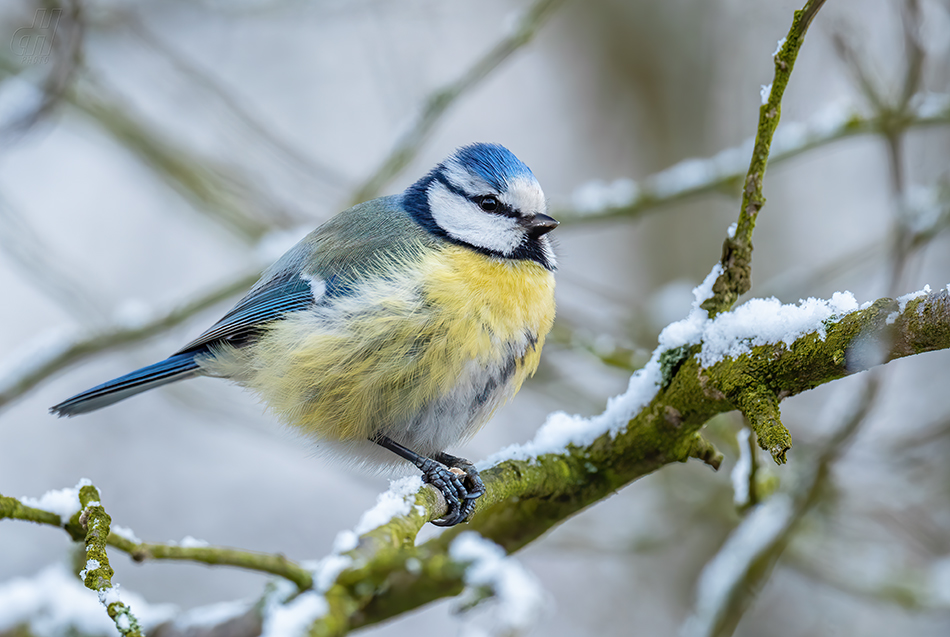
[[464, 221], [465, 180], [317, 286]]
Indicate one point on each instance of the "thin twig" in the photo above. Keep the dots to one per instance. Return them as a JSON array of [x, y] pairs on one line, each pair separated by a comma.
[[736, 277]]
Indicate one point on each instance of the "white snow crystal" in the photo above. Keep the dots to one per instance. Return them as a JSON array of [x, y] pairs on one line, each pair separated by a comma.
[[125, 533], [778, 47], [764, 93], [189, 542], [345, 541], [902, 302], [326, 570], [768, 321]]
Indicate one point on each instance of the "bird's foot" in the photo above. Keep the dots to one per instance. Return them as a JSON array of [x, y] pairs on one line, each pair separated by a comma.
[[462, 486]]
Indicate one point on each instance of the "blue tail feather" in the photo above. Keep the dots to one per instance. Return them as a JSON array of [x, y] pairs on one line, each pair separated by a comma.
[[177, 367]]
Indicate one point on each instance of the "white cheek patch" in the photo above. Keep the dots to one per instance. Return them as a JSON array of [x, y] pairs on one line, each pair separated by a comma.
[[525, 195], [464, 221]]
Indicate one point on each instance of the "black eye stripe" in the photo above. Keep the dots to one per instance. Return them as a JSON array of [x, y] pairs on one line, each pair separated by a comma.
[[502, 210]]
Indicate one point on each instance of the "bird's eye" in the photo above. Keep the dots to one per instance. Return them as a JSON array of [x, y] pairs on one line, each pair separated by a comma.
[[488, 203]]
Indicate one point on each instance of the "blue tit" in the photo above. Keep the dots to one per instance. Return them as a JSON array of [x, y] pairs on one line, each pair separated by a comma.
[[396, 328]]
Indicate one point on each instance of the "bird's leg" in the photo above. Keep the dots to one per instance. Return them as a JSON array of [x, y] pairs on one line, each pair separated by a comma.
[[460, 501]]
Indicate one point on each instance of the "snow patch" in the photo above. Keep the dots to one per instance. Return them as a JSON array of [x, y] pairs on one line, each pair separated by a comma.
[[53, 603], [397, 501], [518, 594], [742, 472], [62, 502]]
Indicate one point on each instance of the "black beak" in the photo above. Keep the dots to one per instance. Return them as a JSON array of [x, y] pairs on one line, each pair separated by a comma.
[[541, 224]]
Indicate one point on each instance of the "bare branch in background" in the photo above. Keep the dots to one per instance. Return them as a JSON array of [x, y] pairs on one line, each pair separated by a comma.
[[441, 100], [67, 27], [220, 191], [731, 578], [326, 176], [23, 245], [723, 172], [53, 353]]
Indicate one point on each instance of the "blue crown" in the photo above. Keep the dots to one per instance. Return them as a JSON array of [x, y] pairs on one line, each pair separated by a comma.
[[492, 162]]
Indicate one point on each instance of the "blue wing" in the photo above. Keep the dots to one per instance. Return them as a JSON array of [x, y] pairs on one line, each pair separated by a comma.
[[265, 303]]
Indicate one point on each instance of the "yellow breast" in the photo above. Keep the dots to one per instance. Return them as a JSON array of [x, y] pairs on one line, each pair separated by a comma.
[[491, 299], [406, 349]]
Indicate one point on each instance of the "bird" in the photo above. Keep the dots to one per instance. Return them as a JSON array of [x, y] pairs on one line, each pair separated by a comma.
[[394, 330]]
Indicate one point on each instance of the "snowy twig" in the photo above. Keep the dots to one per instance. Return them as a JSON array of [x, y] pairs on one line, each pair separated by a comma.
[[439, 102], [13, 509], [61, 508], [736, 277]]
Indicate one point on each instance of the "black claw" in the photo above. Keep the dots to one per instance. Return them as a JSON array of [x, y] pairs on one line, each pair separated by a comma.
[[471, 485], [459, 490]]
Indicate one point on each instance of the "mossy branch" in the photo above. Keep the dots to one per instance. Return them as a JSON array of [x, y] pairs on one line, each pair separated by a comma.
[[525, 498], [13, 509], [97, 574], [216, 556]]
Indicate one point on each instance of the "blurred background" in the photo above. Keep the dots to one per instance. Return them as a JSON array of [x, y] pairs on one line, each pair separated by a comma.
[[159, 154]]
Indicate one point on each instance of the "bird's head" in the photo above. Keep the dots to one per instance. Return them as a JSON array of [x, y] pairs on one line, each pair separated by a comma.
[[485, 198]]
